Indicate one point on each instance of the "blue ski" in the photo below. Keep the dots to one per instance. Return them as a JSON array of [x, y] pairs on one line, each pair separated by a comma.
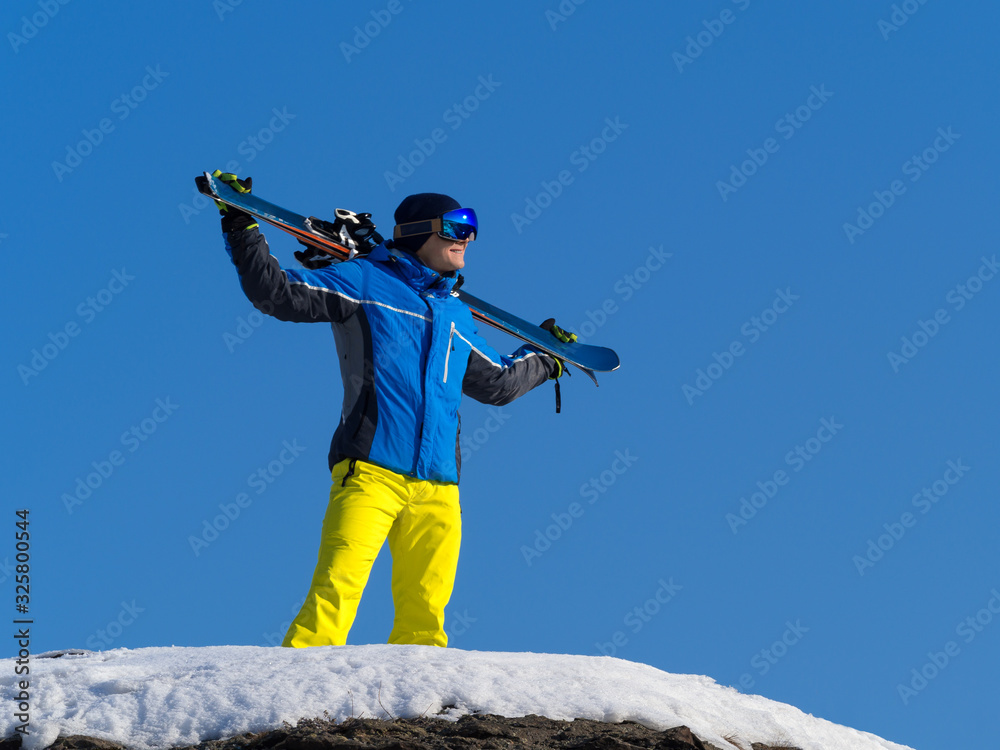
[[318, 234]]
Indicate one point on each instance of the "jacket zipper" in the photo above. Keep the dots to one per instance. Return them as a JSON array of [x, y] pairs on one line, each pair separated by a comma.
[[447, 355]]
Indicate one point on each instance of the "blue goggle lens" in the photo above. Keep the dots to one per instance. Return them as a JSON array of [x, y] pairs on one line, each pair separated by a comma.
[[460, 224]]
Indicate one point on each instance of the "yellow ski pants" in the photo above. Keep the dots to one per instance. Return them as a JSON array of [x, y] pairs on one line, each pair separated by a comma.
[[422, 521]]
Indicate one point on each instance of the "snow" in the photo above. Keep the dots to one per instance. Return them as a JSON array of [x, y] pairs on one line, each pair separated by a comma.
[[164, 697]]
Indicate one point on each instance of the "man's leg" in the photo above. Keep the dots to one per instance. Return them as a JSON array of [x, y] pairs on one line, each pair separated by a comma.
[[361, 512], [424, 543]]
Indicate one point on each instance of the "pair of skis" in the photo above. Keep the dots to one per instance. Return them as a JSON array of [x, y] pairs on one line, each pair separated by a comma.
[[315, 233]]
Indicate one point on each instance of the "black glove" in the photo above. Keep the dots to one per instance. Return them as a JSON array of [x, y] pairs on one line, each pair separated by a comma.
[[234, 218]]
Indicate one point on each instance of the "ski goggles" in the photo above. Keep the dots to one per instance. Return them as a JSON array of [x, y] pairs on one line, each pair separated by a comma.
[[460, 224]]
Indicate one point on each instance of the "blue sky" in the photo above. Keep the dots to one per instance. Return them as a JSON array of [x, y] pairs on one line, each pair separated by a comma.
[[781, 215]]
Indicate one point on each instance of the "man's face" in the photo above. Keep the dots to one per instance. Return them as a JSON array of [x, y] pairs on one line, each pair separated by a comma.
[[441, 255]]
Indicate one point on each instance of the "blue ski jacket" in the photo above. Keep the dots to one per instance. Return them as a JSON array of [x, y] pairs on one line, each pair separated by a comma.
[[407, 346]]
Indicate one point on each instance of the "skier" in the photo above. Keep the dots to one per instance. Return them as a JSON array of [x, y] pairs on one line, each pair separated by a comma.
[[408, 350]]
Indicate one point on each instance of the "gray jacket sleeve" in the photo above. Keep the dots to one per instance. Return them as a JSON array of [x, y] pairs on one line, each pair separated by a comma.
[[491, 378], [301, 296]]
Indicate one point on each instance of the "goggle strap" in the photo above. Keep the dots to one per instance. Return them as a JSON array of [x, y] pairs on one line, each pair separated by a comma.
[[424, 226]]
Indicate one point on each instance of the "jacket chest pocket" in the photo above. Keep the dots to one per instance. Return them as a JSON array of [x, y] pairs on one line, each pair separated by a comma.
[[456, 355], [451, 348]]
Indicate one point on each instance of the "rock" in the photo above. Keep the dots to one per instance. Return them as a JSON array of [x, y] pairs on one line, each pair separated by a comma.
[[470, 732], [680, 738], [78, 742]]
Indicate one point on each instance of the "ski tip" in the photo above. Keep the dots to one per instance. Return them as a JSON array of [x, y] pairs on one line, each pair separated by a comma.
[[203, 183]]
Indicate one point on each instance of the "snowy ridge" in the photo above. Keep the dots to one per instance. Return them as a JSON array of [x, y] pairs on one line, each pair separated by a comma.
[[162, 697]]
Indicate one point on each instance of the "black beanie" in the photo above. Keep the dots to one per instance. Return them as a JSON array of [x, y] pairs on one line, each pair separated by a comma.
[[417, 208]]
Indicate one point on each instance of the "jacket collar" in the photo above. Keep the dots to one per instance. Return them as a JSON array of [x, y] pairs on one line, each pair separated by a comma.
[[411, 270]]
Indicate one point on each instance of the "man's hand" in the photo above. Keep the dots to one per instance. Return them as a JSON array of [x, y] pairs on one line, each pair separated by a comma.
[[234, 218]]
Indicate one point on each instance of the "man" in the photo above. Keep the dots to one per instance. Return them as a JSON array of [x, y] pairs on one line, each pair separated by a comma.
[[408, 350]]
